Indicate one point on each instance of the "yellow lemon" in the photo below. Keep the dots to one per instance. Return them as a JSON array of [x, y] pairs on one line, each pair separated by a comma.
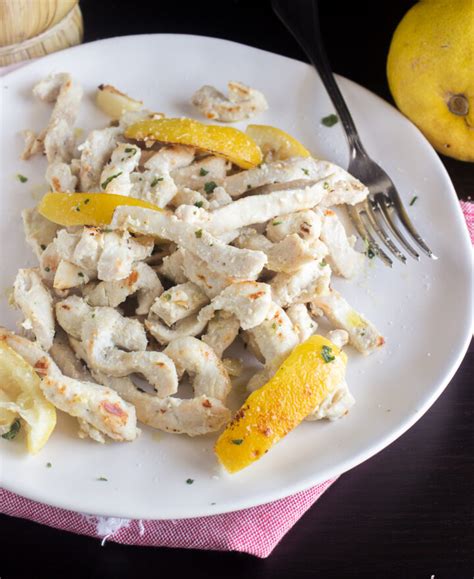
[[21, 395], [312, 370], [97, 209], [226, 142], [430, 71], [276, 143]]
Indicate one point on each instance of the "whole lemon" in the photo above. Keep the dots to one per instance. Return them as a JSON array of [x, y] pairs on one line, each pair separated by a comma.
[[430, 70]]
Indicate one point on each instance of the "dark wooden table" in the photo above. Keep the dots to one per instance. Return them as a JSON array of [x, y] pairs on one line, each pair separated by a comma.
[[407, 512]]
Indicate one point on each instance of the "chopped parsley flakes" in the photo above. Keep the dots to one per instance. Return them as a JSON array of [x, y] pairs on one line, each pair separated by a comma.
[[102, 478], [156, 180], [22, 178], [413, 201], [327, 355], [198, 233], [166, 297], [305, 171], [209, 186], [330, 120], [237, 441], [277, 222], [203, 172], [48, 465], [109, 179], [198, 204], [189, 481], [14, 430]]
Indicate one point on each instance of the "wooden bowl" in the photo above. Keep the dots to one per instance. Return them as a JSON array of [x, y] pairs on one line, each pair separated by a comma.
[[58, 29]]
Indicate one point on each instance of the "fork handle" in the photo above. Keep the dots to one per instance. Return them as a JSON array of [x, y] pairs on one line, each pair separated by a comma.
[[307, 32]]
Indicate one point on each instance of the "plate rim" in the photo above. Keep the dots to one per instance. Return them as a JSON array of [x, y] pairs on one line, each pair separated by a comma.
[[344, 466]]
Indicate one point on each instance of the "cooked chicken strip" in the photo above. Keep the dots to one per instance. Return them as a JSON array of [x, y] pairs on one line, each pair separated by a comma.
[[103, 331], [172, 267], [99, 406], [39, 231], [303, 323], [36, 304], [163, 334], [249, 301], [242, 103], [221, 332], [274, 338], [339, 338], [195, 176], [60, 177], [306, 224], [115, 176], [142, 280], [179, 302], [362, 334], [342, 258], [198, 271], [194, 416], [109, 255], [203, 366], [310, 280], [58, 138], [240, 263], [68, 275], [71, 366], [95, 152], [335, 405], [288, 255], [295, 169]]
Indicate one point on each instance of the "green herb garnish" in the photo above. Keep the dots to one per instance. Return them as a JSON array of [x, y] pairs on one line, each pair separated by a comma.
[[210, 186], [48, 465], [325, 185], [322, 263], [14, 430], [198, 233], [249, 186], [166, 297], [22, 178], [47, 269], [109, 179], [156, 180], [130, 150], [43, 246], [102, 478], [413, 201], [203, 172], [305, 171], [326, 354], [86, 201], [330, 120], [237, 441], [199, 204], [80, 274], [189, 481], [277, 222]]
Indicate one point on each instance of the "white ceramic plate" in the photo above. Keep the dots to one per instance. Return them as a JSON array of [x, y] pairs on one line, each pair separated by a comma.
[[423, 309]]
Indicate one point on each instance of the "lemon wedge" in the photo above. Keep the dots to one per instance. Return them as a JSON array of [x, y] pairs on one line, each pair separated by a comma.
[[226, 142], [85, 208], [20, 394], [312, 370], [277, 143]]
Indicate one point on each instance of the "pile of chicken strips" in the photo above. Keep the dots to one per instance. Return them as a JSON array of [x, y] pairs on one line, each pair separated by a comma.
[[161, 243]]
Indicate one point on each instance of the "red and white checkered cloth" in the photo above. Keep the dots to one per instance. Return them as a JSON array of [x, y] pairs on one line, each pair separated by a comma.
[[256, 531]]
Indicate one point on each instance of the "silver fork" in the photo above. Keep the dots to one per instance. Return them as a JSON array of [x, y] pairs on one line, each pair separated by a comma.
[[382, 212]]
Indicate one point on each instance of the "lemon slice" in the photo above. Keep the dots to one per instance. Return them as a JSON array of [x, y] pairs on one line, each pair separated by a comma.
[[85, 208], [279, 144], [312, 370], [226, 142], [20, 394]]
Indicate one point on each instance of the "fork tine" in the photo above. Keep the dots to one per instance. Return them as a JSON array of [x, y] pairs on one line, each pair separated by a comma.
[[366, 235], [403, 216], [383, 204], [381, 232]]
